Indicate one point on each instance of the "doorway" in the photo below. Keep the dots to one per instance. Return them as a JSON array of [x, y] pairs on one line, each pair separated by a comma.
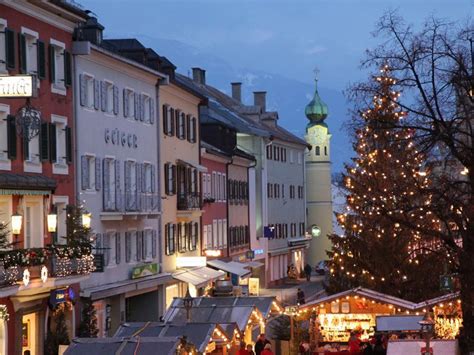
[[29, 334]]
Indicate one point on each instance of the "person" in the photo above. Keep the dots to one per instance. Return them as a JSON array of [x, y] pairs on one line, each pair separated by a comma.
[[307, 270], [267, 350], [300, 299], [304, 348], [354, 344], [379, 348], [260, 344], [249, 349], [243, 349]]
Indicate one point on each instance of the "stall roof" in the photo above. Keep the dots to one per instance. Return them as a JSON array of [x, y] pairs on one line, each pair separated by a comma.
[[199, 334], [211, 314], [199, 276], [437, 300], [263, 304], [233, 267], [124, 346]]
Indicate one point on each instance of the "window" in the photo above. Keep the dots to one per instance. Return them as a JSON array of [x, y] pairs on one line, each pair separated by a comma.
[[194, 235], [325, 150], [269, 152], [88, 172], [168, 120], [292, 191], [283, 154], [131, 246], [147, 249], [170, 178], [182, 237], [146, 108], [215, 235], [128, 103], [270, 190], [181, 123], [224, 187], [192, 129], [8, 137], [111, 184], [3, 45], [276, 153], [148, 177], [131, 184], [170, 232], [31, 150], [110, 248], [28, 49], [108, 97], [318, 152], [89, 91], [276, 190], [214, 186], [60, 145], [282, 190], [59, 67], [292, 158]]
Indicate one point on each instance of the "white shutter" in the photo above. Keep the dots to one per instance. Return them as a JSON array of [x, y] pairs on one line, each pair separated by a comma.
[[83, 89], [215, 235], [125, 103], [152, 110], [103, 96], [84, 172], [96, 94], [116, 99], [224, 232]]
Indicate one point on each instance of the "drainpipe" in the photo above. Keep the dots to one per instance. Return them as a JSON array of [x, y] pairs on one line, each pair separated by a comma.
[[227, 203]]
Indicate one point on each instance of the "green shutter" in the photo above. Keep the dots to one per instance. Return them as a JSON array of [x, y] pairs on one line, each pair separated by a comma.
[[11, 137], [69, 146], [41, 59], [52, 143], [10, 48], [22, 52], [44, 142], [52, 69], [67, 69]]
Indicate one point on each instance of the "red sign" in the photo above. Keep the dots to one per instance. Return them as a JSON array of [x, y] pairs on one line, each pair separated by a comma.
[[424, 352]]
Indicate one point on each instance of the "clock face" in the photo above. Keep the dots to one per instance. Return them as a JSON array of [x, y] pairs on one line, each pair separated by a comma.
[[315, 231]]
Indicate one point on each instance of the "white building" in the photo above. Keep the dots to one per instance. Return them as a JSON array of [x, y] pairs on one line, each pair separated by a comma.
[[118, 160]]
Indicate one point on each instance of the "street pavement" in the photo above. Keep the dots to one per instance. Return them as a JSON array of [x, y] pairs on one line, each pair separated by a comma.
[[286, 293]]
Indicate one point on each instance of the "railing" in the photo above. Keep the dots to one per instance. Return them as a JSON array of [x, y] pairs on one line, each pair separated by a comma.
[[131, 202], [189, 201], [58, 261]]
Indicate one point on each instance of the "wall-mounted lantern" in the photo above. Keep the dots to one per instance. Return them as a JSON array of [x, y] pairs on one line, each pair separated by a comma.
[[17, 220], [52, 222], [86, 220]]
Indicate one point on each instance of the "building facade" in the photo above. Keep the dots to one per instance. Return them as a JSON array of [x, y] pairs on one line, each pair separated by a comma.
[[37, 174], [318, 179], [118, 179]]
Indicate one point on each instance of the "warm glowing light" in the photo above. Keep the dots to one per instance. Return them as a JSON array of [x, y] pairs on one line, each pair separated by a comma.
[[52, 222], [86, 220], [16, 223]]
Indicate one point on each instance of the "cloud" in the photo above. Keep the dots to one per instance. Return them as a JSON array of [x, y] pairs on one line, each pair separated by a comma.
[[316, 49]]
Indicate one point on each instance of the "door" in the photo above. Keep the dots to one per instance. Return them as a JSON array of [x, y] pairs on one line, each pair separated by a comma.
[[33, 222]]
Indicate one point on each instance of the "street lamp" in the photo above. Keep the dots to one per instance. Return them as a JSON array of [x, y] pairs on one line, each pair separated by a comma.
[[86, 220], [52, 222], [188, 304], [426, 328]]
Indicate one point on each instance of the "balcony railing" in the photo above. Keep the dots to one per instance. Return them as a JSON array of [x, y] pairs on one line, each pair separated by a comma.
[[189, 201], [131, 202], [52, 261]]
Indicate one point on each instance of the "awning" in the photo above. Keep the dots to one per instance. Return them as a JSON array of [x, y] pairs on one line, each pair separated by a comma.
[[298, 241], [233, 267], [199, 167], [198, 277], [254, 264], [11, 181], [116, 288]]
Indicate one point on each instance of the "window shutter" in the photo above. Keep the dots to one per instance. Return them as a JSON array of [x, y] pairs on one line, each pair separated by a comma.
[[145, 236], [106, 177], [82, 90], [98, 180], [52, 143], [125, 103], [153, 244], [128, 178], [138, 184], [41, 56], [177, 114], [22, 52], [151, 102], [10, 48], [118, 248], [128, 247], [11, 137], [103, 96], [116, 100], [153, 177], [167, 177], [44, 142], [139, 245], [142, 107], [118, 190], [194, 129], [68, 145], [84, 173], [67, 68], [166, 129], [52, 64], [174, 182], [136, 102], [167, 244], [188, 128], [96, 94], [172, 121]]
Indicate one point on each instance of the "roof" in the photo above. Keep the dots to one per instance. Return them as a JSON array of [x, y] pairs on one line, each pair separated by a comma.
[[27, 182], [127, 346], [242, 154], [199, 334], [213, 150], [223, 102]]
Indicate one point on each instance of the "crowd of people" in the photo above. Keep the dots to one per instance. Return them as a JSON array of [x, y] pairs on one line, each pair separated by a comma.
[[262, 347], [377, 345]]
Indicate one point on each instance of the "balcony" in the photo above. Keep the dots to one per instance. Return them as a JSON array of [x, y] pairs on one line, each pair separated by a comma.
[[43, 264], [189, 201], [116, 206]]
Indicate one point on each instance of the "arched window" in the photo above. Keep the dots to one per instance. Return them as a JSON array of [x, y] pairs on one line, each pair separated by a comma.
[[318, 152], [325, 150]]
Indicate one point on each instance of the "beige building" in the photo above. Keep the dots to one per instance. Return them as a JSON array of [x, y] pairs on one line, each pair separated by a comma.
[[318, 180]]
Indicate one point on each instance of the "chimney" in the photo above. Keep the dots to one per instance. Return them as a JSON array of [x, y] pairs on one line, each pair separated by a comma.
[[259, 99], [199, 75], [237, 91], [90, 31]]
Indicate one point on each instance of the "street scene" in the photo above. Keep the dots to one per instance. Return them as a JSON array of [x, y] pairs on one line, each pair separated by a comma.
[[236, 177]]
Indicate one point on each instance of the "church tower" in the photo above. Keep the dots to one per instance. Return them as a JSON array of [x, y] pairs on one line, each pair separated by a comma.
[[318, 180]]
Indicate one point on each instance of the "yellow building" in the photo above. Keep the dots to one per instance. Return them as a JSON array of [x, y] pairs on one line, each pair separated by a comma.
[[318, 179]]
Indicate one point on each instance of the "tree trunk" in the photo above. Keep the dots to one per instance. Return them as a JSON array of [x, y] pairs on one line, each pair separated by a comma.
[[466, 275]]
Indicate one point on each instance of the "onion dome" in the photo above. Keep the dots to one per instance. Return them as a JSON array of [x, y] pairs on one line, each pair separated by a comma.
[[316, 111]]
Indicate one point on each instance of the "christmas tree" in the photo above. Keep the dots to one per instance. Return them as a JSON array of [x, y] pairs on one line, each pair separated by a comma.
[[76, 233], [386, 188], [59, 335], [4, 242], [88, 327]]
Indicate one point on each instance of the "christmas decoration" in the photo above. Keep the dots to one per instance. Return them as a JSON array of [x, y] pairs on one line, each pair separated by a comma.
[[88, 327], [57, 331], [387, 185], [4, 315]]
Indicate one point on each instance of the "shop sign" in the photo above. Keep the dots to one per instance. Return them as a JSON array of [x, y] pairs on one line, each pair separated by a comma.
[[17, 86], [250, 254], [144, 270], [99, 262], [291, 309], [258, 251], [57, 297], [254, 286]]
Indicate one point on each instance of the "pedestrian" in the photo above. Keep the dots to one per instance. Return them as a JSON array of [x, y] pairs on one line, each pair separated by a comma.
[[307, 270], [267, 350], [249, 349], [379, 348], [243, 349], [354, 344], [300, 299], [260, 344]]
